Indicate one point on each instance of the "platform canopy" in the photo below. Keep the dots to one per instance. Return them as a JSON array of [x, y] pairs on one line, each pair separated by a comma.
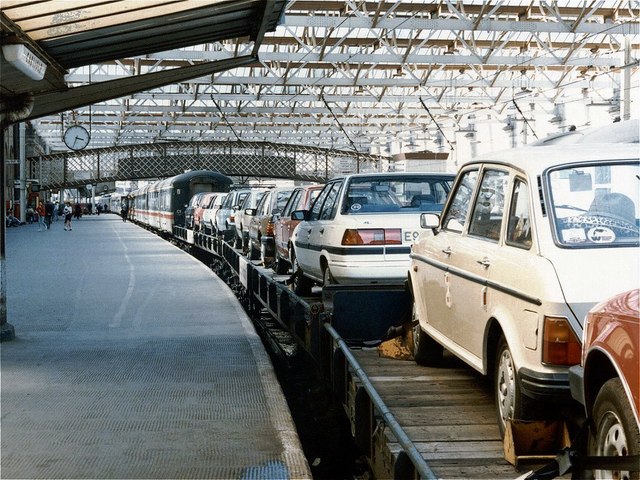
[[372, 76]]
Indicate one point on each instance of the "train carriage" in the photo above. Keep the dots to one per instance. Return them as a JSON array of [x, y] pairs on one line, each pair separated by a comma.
[[160, 205]]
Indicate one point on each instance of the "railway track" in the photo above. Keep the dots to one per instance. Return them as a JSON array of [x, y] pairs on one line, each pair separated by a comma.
[[445, 416]]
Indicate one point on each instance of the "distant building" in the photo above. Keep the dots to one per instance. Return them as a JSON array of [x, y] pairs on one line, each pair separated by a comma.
[[424, 161]]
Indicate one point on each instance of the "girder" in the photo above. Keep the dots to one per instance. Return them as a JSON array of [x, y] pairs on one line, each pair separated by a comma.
[[235, 159], [343, 72]]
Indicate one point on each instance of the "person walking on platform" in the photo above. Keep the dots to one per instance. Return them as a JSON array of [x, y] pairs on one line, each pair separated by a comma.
[[68, 213], [48, 209], [124, 211], [41, 213]]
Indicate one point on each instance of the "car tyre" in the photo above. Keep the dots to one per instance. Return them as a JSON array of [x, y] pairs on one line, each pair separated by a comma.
[[616, 431], [327, 278], [426, 351], [282, 266], [301, 284], [264, 258], [510, 402], [253, 253]]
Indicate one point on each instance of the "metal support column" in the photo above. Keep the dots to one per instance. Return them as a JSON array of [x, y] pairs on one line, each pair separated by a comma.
[[7, 332]]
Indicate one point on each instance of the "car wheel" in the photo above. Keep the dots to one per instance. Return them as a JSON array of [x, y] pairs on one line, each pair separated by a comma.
[[616, 432], [301, 284], [426, 351], [509, 399], [263, 255], [254, 254], [327, 278], [282, 266]]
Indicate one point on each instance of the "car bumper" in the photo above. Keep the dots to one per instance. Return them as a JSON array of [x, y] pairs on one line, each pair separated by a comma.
[[368, 272], [545, 386], [576, 383]]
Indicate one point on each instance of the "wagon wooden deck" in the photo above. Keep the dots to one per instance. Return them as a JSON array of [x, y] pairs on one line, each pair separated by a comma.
[[448, 412]]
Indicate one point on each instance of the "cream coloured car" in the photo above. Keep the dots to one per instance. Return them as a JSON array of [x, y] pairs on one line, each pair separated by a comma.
[[527, 243]]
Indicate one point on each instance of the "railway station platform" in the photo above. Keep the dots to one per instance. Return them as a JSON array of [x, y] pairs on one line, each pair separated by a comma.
[[133, 360]]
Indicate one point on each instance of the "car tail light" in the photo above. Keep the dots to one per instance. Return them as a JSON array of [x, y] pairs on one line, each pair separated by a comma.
[[560, 346], [372, 236], [269, 231]]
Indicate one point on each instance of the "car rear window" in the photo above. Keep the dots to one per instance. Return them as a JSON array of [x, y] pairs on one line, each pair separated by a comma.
[[396, 194], [595, 205]]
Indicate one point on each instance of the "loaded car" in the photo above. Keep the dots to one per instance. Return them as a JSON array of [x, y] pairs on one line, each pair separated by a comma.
[[190, 209], [607, 381], [301, 199], [208, 222], [243, 218], [198, 211], [226, 214], [504, 277], [262, 224], [360, 228]]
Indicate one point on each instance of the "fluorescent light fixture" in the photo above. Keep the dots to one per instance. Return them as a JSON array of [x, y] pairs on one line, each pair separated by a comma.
[[24, 60]]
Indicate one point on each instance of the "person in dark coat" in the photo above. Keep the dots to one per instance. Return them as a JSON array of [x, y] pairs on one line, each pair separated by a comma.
[[124, 211], [48, 213]]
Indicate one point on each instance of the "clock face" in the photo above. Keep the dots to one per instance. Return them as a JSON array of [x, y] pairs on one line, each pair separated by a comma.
[[76, 137]]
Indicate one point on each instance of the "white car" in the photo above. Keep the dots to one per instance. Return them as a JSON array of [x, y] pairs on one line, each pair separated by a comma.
[[360, 228], [243, 217], [528, 242], [225, 216], [209, 214]]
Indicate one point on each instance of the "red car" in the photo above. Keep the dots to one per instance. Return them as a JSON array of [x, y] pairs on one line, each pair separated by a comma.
[[608, 380], [300, 199]]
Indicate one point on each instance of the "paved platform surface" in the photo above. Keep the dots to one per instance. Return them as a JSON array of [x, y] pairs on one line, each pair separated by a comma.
[[133, 360]]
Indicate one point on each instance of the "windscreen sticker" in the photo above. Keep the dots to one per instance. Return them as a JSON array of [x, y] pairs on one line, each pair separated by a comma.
[[601, 235], [573, 235]]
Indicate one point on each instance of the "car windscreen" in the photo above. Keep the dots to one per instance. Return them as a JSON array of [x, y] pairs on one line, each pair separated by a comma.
[[595, 205], [411, 193]]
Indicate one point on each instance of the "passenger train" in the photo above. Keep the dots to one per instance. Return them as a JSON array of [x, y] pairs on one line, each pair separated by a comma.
[[161, 205]]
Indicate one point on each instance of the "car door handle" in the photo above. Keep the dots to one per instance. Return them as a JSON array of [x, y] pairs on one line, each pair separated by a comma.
[[484, 262], [447, 251]]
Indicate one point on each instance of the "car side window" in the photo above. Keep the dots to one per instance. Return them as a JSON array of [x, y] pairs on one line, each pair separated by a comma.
[[281, 200], [263, 206], [317, 205], [331, 203], [519, 226], [456, 214], [291, 204], [488, 210]]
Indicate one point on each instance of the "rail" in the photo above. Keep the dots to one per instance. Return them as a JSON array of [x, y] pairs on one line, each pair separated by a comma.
[[421, 466]]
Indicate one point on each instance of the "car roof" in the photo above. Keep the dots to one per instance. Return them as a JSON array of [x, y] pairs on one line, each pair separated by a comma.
[[536, 159], [396, 174], [618, 132]]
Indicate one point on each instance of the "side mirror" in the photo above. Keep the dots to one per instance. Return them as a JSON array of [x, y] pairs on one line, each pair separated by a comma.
[[250, 211], [429, 220], [300, 215]]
